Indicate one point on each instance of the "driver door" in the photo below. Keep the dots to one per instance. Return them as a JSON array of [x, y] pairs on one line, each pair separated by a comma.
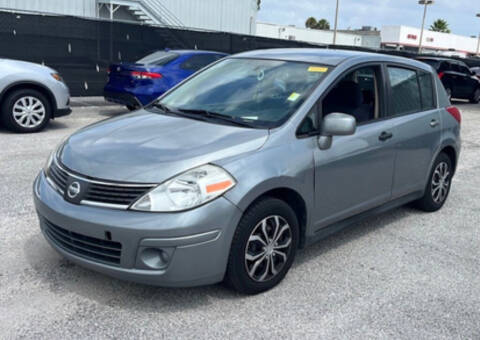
[[355, 174]]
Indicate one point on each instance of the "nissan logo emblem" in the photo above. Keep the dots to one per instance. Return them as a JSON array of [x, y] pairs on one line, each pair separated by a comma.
[[73, 190]]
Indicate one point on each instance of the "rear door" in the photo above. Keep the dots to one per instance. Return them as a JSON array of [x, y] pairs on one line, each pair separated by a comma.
[[416, 126]]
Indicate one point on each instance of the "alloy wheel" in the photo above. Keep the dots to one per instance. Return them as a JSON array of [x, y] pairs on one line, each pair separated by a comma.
[[440, 182], [29, 112], [268, 248]]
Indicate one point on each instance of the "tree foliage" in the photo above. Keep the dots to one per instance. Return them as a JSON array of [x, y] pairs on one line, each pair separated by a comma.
[[321, 24], [440, 25]]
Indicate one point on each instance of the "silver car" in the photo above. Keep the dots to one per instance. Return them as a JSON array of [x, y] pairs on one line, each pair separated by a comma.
[[228, 174], [30, 95]]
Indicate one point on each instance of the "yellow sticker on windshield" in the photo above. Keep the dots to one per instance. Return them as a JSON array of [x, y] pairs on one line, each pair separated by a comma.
[[294, 96], [317, 69]]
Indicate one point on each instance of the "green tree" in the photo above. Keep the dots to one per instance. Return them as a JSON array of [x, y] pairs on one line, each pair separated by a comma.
[[321, 24], [440, 25], [311, 23]]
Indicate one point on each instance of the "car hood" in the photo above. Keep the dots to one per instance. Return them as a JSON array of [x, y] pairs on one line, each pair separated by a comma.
[[25, 65], [149, 147]]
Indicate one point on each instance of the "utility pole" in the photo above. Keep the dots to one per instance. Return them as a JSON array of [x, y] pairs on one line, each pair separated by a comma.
[[425, 3], [336, 25]]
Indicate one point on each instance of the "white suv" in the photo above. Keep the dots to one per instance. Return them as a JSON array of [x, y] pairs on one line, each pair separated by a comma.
[[30, 95]]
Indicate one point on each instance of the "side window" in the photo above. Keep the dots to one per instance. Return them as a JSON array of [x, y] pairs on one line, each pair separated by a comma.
[[464, 70], [444, 66], [198, 62], [356, 94], [405, 96], [310, 123], [426, 87], [455, 68]]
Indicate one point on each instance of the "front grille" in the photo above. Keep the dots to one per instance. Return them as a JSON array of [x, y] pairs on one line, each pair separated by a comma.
[[99, 192], [105, 251], [58, 177], [114, 194]]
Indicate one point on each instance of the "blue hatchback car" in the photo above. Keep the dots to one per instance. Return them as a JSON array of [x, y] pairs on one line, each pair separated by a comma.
[[137, 84]]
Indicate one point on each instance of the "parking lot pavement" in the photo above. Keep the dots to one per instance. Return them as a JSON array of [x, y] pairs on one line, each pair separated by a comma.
[[404, 274]]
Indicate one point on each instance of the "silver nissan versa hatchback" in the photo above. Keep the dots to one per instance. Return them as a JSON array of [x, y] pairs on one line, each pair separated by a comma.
[[262, 153]]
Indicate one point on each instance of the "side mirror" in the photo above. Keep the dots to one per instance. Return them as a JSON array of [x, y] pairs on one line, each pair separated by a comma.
[[336, 124]]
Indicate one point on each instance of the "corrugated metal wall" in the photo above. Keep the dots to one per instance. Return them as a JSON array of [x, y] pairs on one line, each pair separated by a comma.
[[84, 8], [238, 16]]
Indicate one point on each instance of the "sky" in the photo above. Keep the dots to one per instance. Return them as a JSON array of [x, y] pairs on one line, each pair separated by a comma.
[[460, 14]]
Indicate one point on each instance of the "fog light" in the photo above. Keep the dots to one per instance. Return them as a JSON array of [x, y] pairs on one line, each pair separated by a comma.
[[154, 258]]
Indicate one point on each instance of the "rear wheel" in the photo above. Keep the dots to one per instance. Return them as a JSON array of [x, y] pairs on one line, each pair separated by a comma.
[[475, 97], [26, 110], [131, 107], [438, 186], [263, 247]]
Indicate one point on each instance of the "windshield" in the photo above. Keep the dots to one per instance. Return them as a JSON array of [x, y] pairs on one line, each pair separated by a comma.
[[263, 92], [158, 58]]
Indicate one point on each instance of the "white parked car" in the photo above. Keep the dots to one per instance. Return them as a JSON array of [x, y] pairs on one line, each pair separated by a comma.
[[30, 95]]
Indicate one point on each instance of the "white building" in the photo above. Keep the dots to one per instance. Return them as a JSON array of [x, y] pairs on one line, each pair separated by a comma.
[[408, 38], [237, 16], [369, 38]]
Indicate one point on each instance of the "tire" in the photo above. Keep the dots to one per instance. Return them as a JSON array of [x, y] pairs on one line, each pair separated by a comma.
[[131, 107], [25, 110], [475, 99], [433, 201], [266, 212]]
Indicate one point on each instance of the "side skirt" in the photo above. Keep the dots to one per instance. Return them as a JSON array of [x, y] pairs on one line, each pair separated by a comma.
[[337, 226]]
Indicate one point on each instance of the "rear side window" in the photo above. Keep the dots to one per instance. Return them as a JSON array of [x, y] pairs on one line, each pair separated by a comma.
[[405, 96], [198, 62], [426, 87]]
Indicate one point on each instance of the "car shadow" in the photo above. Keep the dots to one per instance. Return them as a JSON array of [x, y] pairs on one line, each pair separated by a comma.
[[62, 276]]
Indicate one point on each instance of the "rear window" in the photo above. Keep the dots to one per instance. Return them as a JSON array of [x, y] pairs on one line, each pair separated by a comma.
[[158, 58], [197, 62]]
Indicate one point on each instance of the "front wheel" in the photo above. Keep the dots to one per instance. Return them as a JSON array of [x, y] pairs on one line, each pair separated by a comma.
[[438, 186], [26, 110], [263, 247]]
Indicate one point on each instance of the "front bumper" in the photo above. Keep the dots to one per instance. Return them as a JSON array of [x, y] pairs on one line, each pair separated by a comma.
[[197, 242], [62, 112]]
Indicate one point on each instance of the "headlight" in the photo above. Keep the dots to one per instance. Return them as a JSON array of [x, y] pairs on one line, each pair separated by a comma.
[[187, 190]]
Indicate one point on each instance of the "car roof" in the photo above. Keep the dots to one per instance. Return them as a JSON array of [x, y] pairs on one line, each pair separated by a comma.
[[440, 59], [326, 56], [193, 52]]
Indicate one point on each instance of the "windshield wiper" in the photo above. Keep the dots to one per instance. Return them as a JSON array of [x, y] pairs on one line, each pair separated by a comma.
[[218, 116]]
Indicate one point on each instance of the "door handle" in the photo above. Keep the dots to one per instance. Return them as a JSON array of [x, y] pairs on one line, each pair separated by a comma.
[[434, 123], [385, 135]]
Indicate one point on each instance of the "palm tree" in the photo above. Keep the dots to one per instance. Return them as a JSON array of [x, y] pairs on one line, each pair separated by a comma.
[[311, 23], [323, 24], [440, 25]]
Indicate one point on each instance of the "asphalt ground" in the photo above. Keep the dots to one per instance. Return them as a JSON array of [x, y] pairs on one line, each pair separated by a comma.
[[404, 274]]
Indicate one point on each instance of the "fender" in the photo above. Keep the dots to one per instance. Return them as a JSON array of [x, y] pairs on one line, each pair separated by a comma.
[[49, 93]]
